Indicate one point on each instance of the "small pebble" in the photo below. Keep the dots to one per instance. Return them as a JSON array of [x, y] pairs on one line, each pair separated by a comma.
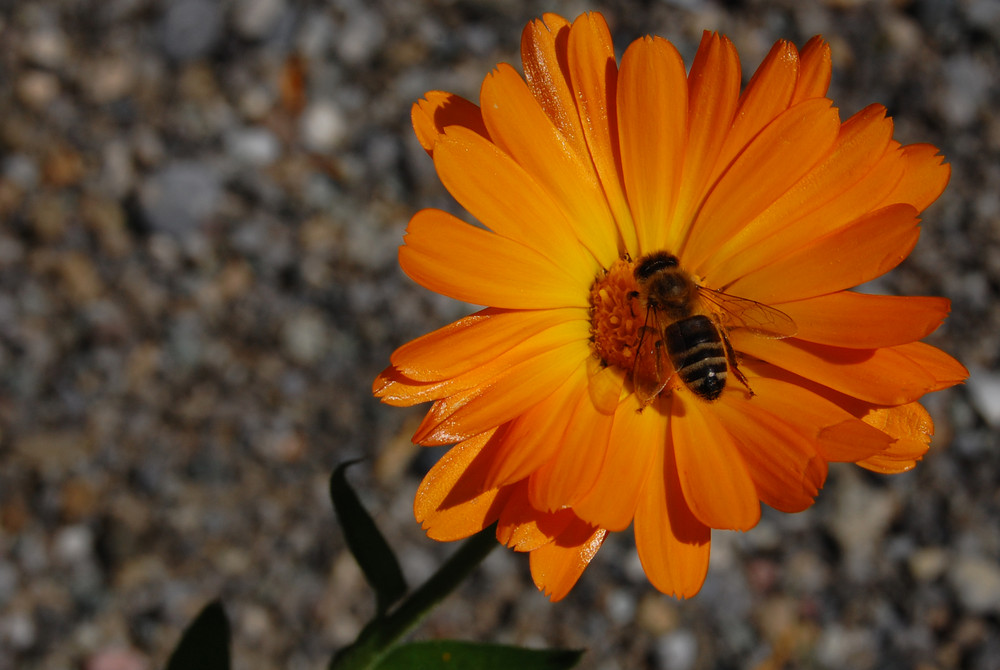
[[38, 89], [73, 544], [361, 37], [191, 28], [977, 582], [254, 18], [256, 147], [47, 47], [984, 391], [117, 659], [968, 87], [839, 647], [323, 127], [17, 631], [677, 650], [181, 197], [305, 337]]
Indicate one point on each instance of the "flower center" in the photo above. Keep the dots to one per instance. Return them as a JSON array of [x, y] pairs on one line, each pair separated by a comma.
[[616, 315]]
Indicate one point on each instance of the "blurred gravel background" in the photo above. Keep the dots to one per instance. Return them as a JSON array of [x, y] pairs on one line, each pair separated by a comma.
[[200, 205]]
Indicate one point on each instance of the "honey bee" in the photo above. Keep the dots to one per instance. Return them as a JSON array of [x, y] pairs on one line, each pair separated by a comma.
[[682, 326]]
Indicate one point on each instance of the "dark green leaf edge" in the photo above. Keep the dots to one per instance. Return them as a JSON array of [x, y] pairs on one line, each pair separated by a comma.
[[205, 642], [367, 544]]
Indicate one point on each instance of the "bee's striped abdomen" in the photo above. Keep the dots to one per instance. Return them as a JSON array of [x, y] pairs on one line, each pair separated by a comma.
[[698, 355]]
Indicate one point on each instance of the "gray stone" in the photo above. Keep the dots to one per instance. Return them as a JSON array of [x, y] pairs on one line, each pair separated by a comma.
[[191, 28], [360, 37], [968, 83], [840, 647], [254, 18], [254, 146], [322, 126], [305, 337], [977, 583], [181, 197], [984, 391], [677, 650]]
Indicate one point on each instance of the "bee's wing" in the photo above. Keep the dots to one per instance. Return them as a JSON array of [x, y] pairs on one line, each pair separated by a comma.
[[758, 318], [652, 369]]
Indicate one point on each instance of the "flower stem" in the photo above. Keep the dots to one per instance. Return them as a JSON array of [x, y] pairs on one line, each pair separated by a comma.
[[379, 637]]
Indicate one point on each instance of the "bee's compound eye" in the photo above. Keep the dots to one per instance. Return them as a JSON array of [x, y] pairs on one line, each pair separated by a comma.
[[654, 263]]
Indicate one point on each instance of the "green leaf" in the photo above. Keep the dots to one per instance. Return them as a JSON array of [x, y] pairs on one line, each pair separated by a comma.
[[205, 643], [377, 640], [366, 543], [456, 655]]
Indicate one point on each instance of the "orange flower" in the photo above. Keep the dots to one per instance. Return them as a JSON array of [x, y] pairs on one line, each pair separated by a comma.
[[637, 219]]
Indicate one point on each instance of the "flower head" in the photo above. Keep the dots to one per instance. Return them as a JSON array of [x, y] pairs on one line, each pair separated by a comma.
[[669, 337]]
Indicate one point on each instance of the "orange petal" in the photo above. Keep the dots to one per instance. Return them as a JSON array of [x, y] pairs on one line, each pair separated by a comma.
[[831, 429], [544, 60], [474, 341], [819, 203], [556, 566], [652, 109], [536, 434], [508, 395], [783, 152], [606, 382], [440, 410], [450, 503], [924, 179], [457, 477], [524, 528], [868, 248], [395, 388], [912, 427], [594, 75], [635, 437], [712, 472], [467, 518], [815, 68], [851, 441], [945, 370], [505, 198], [779, 460], [439, 110], [868, 181], [673, 545], [766, 96], [902, 456], [575, 466], [451, 257], [885, 376], [713, 92], [863, 321], [519, 126]]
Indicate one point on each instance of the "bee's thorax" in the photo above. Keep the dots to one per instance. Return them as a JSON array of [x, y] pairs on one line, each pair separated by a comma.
[[670, 291]]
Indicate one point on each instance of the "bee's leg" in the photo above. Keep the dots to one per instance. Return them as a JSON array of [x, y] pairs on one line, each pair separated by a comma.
[[731, 357], [661, 354], [632, 296], [656, 343]]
